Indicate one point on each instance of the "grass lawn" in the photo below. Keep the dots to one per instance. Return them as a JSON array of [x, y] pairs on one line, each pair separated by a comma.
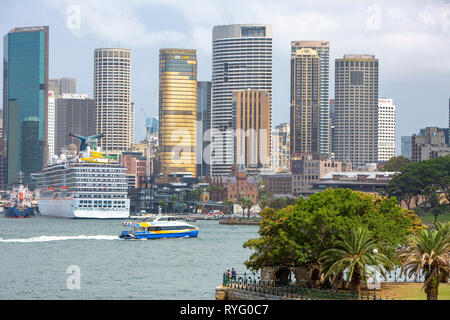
[[429, 218], [410, 291]]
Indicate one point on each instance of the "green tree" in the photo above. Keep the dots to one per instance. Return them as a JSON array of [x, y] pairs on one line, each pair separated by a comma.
[[354, 252], [297, 234], [263, 201], [427, 179], [396, 164], [227, 202], [246, 203], [427, 252]]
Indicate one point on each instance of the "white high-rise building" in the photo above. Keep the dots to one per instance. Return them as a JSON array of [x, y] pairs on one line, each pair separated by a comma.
[[51, 125], [386, 129], [241, 60], [281, 154], [112, 95]]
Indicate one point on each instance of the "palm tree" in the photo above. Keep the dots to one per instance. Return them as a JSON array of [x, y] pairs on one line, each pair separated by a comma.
[[246, 203], [427, 252], [353, 253]]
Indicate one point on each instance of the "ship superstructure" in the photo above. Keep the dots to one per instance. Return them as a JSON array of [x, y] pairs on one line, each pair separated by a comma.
[[87, 185]]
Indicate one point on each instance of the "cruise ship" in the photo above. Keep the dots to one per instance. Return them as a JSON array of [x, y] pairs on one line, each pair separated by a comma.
[[89, 185]]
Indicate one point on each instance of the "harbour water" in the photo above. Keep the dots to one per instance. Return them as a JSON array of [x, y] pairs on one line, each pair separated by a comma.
[[41, 257]]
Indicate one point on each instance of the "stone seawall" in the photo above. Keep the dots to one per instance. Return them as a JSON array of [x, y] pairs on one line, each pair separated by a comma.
[[226, 293], [237, 221]]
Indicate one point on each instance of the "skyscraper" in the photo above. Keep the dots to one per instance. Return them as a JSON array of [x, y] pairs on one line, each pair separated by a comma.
[[112, 95], [281, 149], [356, 109], [203, 127], [152, 125], [323, 51], [63, 85], [386, 129], [25, 99], [75, 113], [406, 146], [177, 110], [332, 128], [241, 60], [253, 129], [305, 102], [51, 125]]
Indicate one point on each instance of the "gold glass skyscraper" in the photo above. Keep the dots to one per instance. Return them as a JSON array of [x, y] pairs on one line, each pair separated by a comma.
[[177, 110]]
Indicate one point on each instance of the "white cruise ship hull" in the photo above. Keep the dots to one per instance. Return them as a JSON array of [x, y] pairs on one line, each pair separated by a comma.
[[66, 208]]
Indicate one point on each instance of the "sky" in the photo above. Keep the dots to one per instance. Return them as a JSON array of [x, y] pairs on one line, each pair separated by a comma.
[[411, 39]]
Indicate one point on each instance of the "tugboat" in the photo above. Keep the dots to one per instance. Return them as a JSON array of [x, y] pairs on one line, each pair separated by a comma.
[[161, 227], [19, 204]]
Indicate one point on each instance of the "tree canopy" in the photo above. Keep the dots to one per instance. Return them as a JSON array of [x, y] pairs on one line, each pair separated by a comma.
[[297, 234], [422, 180], [395, 164]]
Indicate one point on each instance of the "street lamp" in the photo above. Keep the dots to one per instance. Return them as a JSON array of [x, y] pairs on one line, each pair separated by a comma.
[[375, 251]]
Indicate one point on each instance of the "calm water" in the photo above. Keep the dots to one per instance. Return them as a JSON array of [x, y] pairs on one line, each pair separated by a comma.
[[36, 253]]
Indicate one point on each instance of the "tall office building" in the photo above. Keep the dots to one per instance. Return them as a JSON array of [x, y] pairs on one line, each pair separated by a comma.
[[386, 129], [51, 125], [332, 127], [25, 100], [63, 85], [2, 154], [241, 60], [323, 51], [177, 110], [356, 109], [75, 113], [281, 148], [152, 125], [430, 143], [305, 102], [203, 127], [253, 129], [406, 146], [112, 95]]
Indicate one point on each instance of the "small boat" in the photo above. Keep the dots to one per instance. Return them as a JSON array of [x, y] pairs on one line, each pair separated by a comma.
[[160, 227], [19, 204]]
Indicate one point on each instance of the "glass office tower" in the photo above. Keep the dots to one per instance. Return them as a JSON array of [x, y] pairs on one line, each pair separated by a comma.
[[177, 111], [25, 100], [203, 127]]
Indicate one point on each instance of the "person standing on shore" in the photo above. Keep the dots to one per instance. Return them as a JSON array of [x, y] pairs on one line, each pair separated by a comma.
[[233, 274]]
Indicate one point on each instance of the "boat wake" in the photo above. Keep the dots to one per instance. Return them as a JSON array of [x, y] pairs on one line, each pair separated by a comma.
[[59, 238]]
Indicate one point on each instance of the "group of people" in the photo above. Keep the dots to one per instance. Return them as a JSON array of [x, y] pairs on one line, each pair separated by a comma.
[[231, 274]]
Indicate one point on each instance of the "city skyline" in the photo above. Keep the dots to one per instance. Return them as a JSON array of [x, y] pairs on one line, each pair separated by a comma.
[[399, 35]]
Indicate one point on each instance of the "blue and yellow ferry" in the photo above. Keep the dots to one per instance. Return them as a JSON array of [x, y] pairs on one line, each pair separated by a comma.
[[160, 227]]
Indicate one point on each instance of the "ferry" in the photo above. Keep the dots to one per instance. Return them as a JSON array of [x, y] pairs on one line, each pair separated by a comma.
[[160, 227], [85, 185]]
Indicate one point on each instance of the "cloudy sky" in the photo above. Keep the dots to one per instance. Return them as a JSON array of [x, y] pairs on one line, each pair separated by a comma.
[[411, 39]]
